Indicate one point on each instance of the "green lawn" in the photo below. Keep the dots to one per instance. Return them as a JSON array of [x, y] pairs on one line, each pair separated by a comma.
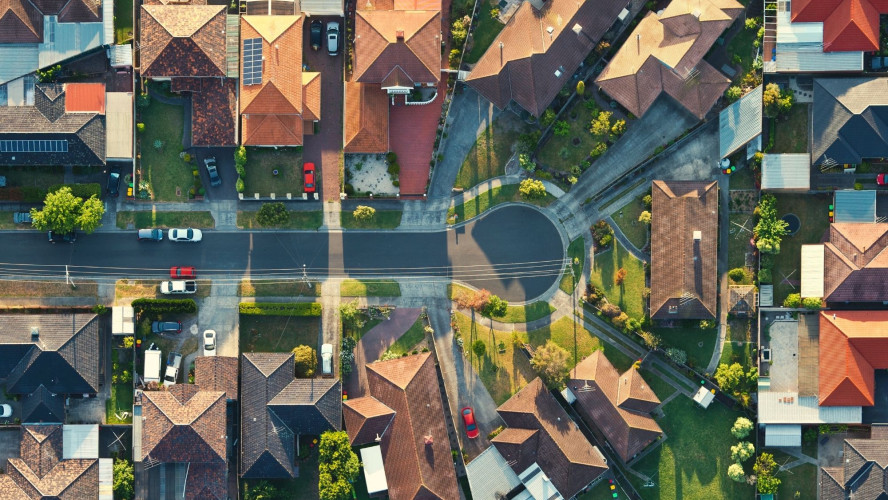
[[628, 295], [491, 151], [688, 337], [121, 400], [489, 199], [514, 314], [627, 220], [370, 288], [738, 346], [485, 30], [148, 219], [661, 388], [40, 177], [261, 163], [813, 214], [801, 478], [562, 333], [163, 168], [123, 20], [743, 178], [565, 152], [414, 335], [693, 462], [278, 333], [741, 44], [299, 219], [741, 226], [13, 288], [603, 491], [575, 252], [791, 133], [384, 219], [278, 288]]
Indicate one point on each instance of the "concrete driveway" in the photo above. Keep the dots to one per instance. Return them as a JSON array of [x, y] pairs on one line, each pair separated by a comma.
[[219, 312], [225, 163], [10, 439], [374, 343]]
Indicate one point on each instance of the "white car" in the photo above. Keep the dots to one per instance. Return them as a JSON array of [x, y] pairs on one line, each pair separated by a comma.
[[189, 235], [327, 359], [209, 344], [5, 411], [177, 287]]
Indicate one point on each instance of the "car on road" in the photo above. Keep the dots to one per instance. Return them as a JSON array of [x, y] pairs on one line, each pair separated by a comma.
[[333, 38], [468, 416], [55, 237], [880, 180], [21, 217], [327, 359], [308, 174], [166, 327], [209, 343], [172, 369], [183, 272], [187, 235], [317, 29], [151, 234], [178, 287], [114, 182], [5, 411], [213, 172]]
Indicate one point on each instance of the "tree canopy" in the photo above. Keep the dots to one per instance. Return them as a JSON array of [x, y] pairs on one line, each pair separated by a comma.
[[123, 479], [550, 361], [337, 466], [63, 213]]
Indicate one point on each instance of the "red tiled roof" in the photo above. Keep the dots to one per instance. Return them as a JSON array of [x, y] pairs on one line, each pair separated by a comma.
[[311, 96], [855, 263], [848, 25], [85, 98], [852, 345], [184, 424], [379, 49], [366, 119], [213, 112], [183, 40], [20, 22]]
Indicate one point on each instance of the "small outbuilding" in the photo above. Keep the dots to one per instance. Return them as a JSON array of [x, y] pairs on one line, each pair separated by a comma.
[[855, 206], [740, 124], [704, 397], [786, 172], [374, 471]]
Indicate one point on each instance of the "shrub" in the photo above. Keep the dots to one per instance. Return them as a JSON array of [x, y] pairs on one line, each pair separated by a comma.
[[140, 127], [737, 274], [602, 233], [561, 128], [611, 310], [733, 93], [453, 58], [742, 427], [479, 348], [735, 472], [241, 171], [364, 213], [598, 150], [240, 157], [273, 214], [548, 117], [394, 168], [527, 142], [304, 309], [620, 320], [619, 276], [619, 127], [677, 356], [742, 451], [764, 275], [161, 306], [581, 87], [306, 360], [812, 303], [526, 162], [707, 324], [239, 185], [601, 125], [645, 217], [143, 100], [532, 189], [459, 30], [792, 300]]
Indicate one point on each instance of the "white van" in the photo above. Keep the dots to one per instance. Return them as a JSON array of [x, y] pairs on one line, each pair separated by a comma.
[[327, 359], [152, 364]]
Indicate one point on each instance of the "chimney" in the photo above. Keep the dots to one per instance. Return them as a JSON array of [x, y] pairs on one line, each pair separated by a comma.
[[428, 440], [577, 28], [399, 35], [698, 235], [35, 334]]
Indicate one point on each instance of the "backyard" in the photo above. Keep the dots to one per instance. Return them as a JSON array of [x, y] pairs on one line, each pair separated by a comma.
[[687, 335], [298, 219], [739, 346], [278, 333], [575, 252], [740, 230], [489, 199], [159, 146], [627, 295], [382, 219], [119, 407], [260, 167], [278, 288], [801, 478], [152, 219], [741, 47], [812, 211], [304, 486], [486, 27], [491, 151], [566, 152], [791, 133], [627, 220], [369, 288], [123, 20]]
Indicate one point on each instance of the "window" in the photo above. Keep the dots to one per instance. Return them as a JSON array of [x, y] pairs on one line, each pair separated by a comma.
[[10, 146], [30, 80], [4, 95]]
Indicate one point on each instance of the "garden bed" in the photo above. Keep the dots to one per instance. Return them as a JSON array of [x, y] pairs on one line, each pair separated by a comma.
[[627, 295]]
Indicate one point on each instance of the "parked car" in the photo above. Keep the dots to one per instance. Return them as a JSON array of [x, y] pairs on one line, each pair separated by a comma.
[[152, 364], [114, 182], [468, 416], [333, 38], [209, 343], [151, 234], [188, 235], [178, 287], [317, 29], [172, 369], [166, 327], [21, 217], [55, 237], [212, 171], [5, 411], [880, 180], [327, 359], [183, 272], [308, 173]]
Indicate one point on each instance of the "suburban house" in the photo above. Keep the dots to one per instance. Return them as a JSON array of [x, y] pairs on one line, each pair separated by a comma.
[[40, 34], [184, 441], [849, 267], [848, 25], [664, 54], [742, 300], [852, 344], [540, 48], [279, 102], [276, 409], [684, 238], [801, 44], [850, 120], [545, 447], [403, 414], [187, 46], [618, 405], [862, 471], [366, 119], [217, 373]]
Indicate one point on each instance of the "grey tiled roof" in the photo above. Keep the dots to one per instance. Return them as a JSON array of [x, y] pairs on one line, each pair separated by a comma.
[[310, 406], [850, 119], [863, 473], [42, 406], [42, 473]]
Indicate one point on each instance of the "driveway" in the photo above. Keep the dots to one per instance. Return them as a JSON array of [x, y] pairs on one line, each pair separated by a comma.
[[374, 343], [225, 163], [219, 312], [10, 439]]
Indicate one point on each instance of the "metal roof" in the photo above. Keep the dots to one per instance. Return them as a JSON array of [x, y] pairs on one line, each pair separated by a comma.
[[704, 397], [119, 128], [855, 206], [321, 7], [120, 55], [490, 475], [80, 441], [374, 470], [812, 271], [766, 295], [800, 49], [786, 171], [106, 479], [740, 122], [790, 408], [777, 435]]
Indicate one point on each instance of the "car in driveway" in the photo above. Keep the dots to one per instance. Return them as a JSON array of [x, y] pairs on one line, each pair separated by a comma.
[[317, 31], [174, 362], [166, 327], [468, 416], [187, 235], [55, 237], [213, 171], [333, 38], [114, 182], [209, 343], [183, 272], [178, 287], [327, 359], [151, 234], [308, 175]]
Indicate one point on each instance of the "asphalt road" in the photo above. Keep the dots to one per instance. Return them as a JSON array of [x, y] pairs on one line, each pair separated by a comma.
[[515, 252]]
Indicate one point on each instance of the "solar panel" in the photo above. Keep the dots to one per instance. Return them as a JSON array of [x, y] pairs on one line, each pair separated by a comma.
[[252, 61], [33, 146]]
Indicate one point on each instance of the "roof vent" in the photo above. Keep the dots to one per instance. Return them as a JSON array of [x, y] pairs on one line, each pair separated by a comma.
[[550, 30], [399, 35], [577, 28], [428, 440], [35, 333], [698, 235]]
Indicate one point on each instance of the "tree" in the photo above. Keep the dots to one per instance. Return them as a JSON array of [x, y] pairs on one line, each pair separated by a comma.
[[548, 117], [476, 300], [306, 360], [742, 427], [742, 451], [729, 377], [737, 274], [532, 189], [364, 213], [677, 356], [337, 466], [240, 161], [651, 341], [581, 87], [619, 127], [123, 479], [793, 300], [768, 485], [735, 472], [764, 465], [459, 31], [733, 93], [550, 361], [620, 320], [479, 348], [90, 217], [645, 217], [601, 125], [561, 128], [776, 102], [812, 303], [647, 201], [764, 275], [620, 276], [526, 162], [63, 212], [611, 310], [769, 229], [350, 314], [495, 307], [263, 490], [273, 214]]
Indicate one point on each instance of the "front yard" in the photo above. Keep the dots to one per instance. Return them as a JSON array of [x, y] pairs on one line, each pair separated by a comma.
[[150, 219], [492, 149], [298, 219], [489, 199], [627, 220], [278, 333], [575, 252], [812, 211], [409, 339], [627, 295], [169, 176], [261, 164], [687, 335], [791, 133], [382, 219]]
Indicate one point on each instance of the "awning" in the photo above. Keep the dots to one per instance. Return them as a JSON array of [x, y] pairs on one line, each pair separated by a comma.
[[780, 435], [812, 271], [374, 470]]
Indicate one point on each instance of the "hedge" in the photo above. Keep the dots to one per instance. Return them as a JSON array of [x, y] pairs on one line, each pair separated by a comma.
[[160, 306], [80, 190], [29, 194], [280, 309]]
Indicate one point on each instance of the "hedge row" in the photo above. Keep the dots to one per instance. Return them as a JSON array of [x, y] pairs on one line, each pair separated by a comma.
[[32, 194], [160, 306], [280, 309], [80, 190]]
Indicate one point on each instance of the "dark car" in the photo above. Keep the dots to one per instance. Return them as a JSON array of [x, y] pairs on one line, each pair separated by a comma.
[[333, 38], [55, 237], [212, 171], [317, 29], [114, 182], [166, 327]]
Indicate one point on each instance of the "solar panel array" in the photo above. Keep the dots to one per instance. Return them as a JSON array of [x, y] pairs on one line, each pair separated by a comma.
[[31, 146], [252, 61]]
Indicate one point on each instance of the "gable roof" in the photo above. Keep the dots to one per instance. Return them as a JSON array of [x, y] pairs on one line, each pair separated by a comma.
[[683, 266], [20, 22], [562, 451], [850, 119], [280, 91], [213, 111], [366, 119], [309, 406], [182, 40], [863, 473], [42, 473], [408, 40], [81, 11], [848, 25], [741, 298], [852, 345], [740, 122], [183, 424], [366, 418], [311, 95], [855, 263], [521, 62], [216, 373], [665, 54], [43, 406]]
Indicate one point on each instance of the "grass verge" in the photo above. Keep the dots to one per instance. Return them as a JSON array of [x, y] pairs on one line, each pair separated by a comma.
[[47, 289], [370, 288], [299, 219], [626, 220], [627, 295], [489, 199], [149, 219], [514, 314], [384, 219], [575, 251], [278, 288], [414, 335]]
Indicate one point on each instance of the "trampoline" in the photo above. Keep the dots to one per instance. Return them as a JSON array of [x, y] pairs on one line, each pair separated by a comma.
[[793, 223]]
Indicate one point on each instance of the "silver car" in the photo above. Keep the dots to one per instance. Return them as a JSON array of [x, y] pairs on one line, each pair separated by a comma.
[[187, 235], [333, 38]]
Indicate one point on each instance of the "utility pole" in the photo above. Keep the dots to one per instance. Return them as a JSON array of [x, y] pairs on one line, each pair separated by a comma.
[[68, 279]]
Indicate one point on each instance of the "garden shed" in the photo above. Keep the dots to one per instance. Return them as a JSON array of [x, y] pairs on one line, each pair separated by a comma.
[[855, 206], [740, 124], [812, 271], [786, 172], [779, 435]]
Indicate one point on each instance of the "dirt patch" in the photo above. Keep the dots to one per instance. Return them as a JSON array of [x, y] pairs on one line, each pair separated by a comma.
[[742, 200]]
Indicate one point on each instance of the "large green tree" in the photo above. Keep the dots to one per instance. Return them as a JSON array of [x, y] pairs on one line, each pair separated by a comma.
[[123, 479], [337, 466], [306, 360], [63, 212], [550, 361]]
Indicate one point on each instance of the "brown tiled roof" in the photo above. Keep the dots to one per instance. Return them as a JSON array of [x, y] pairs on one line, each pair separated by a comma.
[[42, 473], [416, 448], [864, 471], [366, 119], [207, 481], [521, 62], [379, 48], [518, 446], [311, 96], [665, 54], [852, 345], [9, 490], [855, 263], [741, 299], [213, 113], [216, 373], [183, 424], [81, 11], [563, 452], [20, 22], [182, 40], [683, 270], [366, 419], [175, 2], [617, 405]]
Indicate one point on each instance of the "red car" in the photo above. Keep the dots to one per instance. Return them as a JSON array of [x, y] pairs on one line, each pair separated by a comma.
[[880, 180], [468, 416], [308, 171], [183, 272]]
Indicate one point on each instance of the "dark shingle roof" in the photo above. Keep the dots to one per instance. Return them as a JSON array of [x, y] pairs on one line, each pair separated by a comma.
[[42, 473], [365, 419], [20, 22], [310, 406], [855, 265], [850, 120], [42, 406], [217, 373], [184, 424], [266, 443], [207, 481], [863, 473], [213, 112]]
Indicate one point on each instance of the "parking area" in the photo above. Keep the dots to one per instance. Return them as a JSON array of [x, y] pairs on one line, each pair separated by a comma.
[[225, 164]]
